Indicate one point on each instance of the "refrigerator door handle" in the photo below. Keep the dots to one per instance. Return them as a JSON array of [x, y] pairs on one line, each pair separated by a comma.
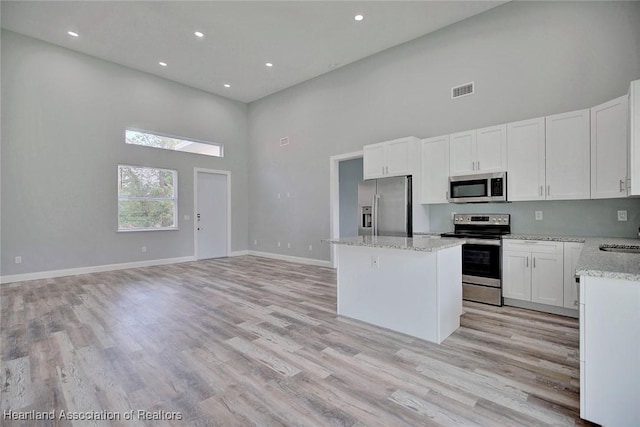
[[375, 205]]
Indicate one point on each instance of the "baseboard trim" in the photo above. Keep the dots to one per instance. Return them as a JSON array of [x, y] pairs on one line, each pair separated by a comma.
[[239, 253], [562, 311], [94, 269], [300, 260]]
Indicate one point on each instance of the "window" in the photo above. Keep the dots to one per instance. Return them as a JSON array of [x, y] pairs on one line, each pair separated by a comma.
[[147, 198], [147, 139]]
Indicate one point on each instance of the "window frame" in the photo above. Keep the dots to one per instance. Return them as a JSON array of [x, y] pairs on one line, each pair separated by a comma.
[[174, 199], [180, 138]]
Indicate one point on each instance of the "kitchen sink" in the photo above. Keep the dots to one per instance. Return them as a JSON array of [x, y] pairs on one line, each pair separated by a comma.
[[625, 249]]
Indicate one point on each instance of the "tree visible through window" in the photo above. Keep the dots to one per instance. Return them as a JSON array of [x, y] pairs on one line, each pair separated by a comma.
[[147, 198]]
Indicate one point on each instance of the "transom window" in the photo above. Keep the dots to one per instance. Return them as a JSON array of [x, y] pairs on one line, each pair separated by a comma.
[[147, 198], [154, 140]]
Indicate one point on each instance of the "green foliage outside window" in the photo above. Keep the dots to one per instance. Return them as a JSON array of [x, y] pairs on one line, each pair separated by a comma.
[[147, 198]]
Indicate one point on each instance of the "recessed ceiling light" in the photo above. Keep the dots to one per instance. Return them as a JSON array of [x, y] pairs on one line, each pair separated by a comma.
[[269, 64], [227, 85], [358, 17], [72, 33], [199, 34], [164, 64]]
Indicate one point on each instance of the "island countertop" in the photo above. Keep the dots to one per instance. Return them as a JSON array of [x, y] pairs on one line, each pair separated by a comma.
[[613, 265], [417, 243]]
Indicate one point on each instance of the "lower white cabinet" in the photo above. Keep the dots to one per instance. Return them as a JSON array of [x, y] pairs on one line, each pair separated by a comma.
[[571, 254], [533, 270], [610, 351]]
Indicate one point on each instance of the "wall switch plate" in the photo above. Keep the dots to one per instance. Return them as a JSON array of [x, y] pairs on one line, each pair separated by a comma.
[[278, 244], [375, 262], [143, 249], [278, 195], [310, 247], [288, 245], [255, 242], [539, 215], [187, 217], [18, 260], [622, 215]]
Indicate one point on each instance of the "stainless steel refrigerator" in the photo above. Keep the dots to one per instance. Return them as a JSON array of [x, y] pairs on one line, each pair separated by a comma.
[[384, 207]]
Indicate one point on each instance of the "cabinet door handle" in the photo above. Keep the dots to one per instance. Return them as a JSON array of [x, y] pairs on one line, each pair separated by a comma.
[[473, 165], [534, 262], [383, 170], [548, 190], [622, 185], [541, 190], [478, 164], [387, 170], [527, 261]]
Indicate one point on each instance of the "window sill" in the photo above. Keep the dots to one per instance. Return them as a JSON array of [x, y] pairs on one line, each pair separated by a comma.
[[134, 230]]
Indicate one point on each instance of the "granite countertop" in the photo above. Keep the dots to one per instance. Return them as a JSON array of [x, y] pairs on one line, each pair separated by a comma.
[[543, 237], [612, 265], [593, 261], [423, 243]]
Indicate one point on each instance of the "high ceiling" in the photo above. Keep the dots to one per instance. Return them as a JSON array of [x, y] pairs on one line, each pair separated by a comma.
[[302, 39]]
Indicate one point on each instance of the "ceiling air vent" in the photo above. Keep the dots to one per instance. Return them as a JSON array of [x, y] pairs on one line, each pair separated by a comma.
[[462, 90], [284, 141]]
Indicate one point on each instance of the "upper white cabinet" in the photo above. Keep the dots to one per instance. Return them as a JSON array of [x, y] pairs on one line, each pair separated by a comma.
[[609, 123], [435, 169], [634, 138], [478, 151], [462, 148], [525, 160], [568, 156], [391, 158]]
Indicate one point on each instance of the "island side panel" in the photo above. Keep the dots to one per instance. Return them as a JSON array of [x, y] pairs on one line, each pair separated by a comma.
[[449, 291], [399, 294]]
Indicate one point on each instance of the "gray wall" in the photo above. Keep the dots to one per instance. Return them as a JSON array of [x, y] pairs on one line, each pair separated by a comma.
[[350, 173], [528, 59], [63, 121]]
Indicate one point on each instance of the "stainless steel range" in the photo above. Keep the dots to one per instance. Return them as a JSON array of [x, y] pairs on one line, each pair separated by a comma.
[[481, 254]]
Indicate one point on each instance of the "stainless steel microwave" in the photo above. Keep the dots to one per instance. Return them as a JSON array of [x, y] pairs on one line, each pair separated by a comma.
[[488, 187]]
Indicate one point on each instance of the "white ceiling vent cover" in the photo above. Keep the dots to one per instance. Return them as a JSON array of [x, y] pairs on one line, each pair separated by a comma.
[[284, 141], [462, 90]]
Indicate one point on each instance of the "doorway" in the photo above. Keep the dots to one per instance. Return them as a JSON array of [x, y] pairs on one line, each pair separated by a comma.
[[212, 195]]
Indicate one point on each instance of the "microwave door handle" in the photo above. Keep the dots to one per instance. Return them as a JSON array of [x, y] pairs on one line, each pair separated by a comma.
[[376, 211]]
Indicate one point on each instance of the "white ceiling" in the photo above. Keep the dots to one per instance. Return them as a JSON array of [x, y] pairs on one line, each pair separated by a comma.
[[303, 39]]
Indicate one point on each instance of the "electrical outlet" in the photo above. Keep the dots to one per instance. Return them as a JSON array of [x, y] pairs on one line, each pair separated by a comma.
[[539, 216], [18, 260], [310, 247], [143, 249], [278, 244], [288, 195], [278, 195], [622, 215], [187, 217], [255, 242], [375, 262], [289, 245]]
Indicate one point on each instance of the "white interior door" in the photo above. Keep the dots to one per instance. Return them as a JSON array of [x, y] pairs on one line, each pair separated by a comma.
[[212, 215]]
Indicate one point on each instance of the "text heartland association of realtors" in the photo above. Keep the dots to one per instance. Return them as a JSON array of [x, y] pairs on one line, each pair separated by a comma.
[[92, 415]]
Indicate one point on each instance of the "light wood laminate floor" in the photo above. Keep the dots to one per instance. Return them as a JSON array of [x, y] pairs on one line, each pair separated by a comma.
[[254, 341]]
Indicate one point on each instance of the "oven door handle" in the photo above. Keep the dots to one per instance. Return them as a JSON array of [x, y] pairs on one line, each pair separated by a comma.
[[487, 242]]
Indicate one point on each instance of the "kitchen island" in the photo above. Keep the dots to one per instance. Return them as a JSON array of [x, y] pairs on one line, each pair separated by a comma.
[[409, 285]]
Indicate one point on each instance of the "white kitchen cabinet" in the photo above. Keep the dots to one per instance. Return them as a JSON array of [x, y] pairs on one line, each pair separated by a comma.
[[568, 156], [533, 271], [525, 160], [609, 124], [572, 252], [462, 147], [634, 138], [609, 351], [478, 151], [435, 170], [391, 158]]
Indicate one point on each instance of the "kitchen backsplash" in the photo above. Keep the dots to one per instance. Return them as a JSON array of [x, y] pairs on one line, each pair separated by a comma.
[[598, 218]]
